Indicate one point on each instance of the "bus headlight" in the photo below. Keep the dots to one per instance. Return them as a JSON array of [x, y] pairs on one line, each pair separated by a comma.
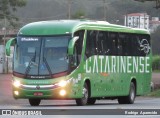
[[62, 83], [16, 84]]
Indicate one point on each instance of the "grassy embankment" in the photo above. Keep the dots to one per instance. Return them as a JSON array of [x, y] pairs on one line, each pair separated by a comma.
[[155, 93]]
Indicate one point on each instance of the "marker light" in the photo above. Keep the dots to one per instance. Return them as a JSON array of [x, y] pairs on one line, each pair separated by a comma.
[[16, 93], [62, 83], [62, 92], [17, 84]]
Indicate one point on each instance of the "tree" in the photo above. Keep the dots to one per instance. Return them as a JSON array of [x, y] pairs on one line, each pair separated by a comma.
[[78, 15], [155, 41], [7, 9]]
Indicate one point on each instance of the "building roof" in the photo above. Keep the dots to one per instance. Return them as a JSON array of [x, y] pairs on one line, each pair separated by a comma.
[[137, 14]]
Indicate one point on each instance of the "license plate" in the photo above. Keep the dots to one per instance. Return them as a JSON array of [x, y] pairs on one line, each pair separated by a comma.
[[38, 94]]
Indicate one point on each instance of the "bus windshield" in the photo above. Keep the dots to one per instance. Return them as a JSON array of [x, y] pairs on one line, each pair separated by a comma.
[[41, 56]]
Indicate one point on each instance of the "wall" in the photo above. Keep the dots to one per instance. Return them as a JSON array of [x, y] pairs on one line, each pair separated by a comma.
[[6, 67]]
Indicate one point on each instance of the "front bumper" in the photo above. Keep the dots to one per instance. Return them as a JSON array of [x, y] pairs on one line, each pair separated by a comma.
[[45, 92]]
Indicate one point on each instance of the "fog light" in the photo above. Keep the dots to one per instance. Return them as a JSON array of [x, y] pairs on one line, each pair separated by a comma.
[[62, 92], [17, 84], [16, 93]]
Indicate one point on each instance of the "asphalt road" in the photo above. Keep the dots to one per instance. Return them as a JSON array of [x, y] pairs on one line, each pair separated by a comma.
[[66, 106]]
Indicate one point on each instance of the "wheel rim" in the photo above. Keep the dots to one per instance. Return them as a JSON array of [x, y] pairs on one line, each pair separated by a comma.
[[132, 94], [85, 93]]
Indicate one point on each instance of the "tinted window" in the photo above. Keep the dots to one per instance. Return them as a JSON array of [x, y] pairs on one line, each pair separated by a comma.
[[118, 44], [78, 46], [91, 44]]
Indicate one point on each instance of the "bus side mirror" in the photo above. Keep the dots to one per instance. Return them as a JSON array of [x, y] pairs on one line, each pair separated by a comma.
[[10, 42], [72, 45]]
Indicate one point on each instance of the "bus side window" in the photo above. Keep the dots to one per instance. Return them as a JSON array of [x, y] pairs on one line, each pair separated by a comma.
[[107, 44], [135, 45], [124, 45], [88, 45], [79, 45], [127, 45], [114, 43], [119, 44], [91, 44], [101, 43]]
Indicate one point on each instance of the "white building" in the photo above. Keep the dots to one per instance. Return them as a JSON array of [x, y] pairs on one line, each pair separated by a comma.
[[137, 20], [5, 62]]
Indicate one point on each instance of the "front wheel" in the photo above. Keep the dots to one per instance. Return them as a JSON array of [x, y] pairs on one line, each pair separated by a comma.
[[130, 98], [83, 101], [34, 102]]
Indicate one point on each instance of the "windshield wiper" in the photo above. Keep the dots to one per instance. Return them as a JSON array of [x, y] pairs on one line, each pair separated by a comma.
[[47, 65], [31, 62]]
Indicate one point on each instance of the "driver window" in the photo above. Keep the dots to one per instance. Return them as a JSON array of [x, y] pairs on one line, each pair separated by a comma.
[[78, 46]]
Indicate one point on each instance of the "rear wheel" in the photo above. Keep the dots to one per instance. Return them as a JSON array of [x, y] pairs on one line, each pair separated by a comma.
[[91, 101], [130, 98], [83, 101], [34, 102]]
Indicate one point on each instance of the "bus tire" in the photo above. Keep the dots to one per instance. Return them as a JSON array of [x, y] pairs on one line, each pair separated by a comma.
[[83, 101], [91, 101], [130, 98], [34, 102]]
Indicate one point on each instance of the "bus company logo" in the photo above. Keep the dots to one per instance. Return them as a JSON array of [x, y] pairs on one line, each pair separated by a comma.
[[144, 45], [29, 39], [38, 87], [117, 64], [37, 77]]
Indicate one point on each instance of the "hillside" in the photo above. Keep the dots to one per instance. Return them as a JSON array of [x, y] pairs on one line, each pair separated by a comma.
[[36, 10]]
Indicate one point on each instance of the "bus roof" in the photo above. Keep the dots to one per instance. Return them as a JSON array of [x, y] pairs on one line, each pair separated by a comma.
[[58, 27]]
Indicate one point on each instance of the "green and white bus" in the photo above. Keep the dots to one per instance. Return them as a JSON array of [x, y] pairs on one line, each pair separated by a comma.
[[82, 60]]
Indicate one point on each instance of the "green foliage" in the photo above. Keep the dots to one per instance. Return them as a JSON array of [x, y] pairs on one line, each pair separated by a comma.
[[154, 93], [7, 7], [155, 41], [78, 15], [156, 62]]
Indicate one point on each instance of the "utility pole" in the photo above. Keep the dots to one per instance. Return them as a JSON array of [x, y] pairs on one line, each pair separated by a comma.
[[4, 43], [104, 10], [4, 28], [69, 9]]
